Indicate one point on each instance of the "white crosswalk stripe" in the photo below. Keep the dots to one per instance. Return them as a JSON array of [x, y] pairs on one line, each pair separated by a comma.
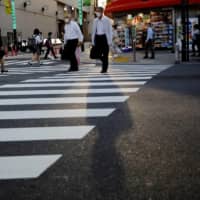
[[43, 133], [56, 98], [39, 85], [69, 91], [21, 67], [63, 100], [25, 167], [87, 79]]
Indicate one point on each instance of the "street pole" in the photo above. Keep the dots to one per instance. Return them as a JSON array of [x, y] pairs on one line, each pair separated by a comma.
[[80, 9], [185, 30], [14, 24]]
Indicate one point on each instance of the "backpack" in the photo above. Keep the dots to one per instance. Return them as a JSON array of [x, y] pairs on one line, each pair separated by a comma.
[[32, 43]]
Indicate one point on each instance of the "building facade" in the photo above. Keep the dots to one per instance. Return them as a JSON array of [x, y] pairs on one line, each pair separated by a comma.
[[47, 15]]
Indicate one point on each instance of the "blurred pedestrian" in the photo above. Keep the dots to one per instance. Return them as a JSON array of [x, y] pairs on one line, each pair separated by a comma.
[[73, 38], [2, 53], [49, 46], [36, 46], [102, 37], [149, 42], [196, 40], [116, 42]]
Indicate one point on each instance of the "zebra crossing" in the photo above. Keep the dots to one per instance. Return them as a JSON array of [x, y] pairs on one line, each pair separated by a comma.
[[21, 67], [73, 92]]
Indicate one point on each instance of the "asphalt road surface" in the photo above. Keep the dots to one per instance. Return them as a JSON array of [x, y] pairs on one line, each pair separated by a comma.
[[131, 134]]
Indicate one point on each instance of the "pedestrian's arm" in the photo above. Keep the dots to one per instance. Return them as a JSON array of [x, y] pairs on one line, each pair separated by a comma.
[[93, 32], [110, 33], [80, 35], [65, 35]]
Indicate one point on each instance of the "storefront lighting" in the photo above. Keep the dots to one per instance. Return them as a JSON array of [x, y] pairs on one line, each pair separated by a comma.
[[141, 15], [129, 17], [65, 9]]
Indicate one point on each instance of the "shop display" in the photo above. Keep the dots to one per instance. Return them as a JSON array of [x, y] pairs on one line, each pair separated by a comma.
[[162, 25], [163, 28], [124, 37]]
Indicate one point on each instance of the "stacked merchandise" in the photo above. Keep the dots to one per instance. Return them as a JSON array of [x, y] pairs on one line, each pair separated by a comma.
[[162, 23], [124, 37]]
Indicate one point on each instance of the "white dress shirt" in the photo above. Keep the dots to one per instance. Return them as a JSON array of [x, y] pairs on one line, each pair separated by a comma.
[[100, 27], [72, 31], [150, 34]]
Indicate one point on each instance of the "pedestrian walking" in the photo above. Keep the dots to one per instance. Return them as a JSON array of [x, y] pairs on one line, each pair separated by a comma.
[[116, 42], [36, 46], [49, 46], [73, 38], [149, 42], [2, 53], [102, 37], [196, 40]]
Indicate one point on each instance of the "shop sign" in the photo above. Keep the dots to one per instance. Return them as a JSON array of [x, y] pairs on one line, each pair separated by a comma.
[[14, 24], [7, 4]]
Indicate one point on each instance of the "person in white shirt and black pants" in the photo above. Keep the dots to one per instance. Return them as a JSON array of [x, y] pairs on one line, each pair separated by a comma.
[[149, 43], [102, 37], [73, 38]]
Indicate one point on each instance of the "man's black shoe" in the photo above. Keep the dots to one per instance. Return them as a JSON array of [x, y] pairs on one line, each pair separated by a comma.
[[145, 57]]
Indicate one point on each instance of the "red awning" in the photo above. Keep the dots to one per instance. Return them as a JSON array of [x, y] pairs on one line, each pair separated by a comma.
[[127, 5]]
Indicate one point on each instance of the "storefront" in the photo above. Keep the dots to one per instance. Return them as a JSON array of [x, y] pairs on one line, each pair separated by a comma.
[[165, 16]]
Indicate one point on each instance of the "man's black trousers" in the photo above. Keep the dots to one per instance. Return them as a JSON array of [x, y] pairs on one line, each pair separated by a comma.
[[71, 50], [102, 47]]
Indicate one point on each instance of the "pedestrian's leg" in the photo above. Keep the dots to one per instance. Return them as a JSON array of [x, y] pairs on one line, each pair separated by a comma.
[[52, 51], [2, 65], [146, 49], [198, 47], [72, 57], [152, 49], [74, 62], [193, 48], [47, 53], [105, 58]]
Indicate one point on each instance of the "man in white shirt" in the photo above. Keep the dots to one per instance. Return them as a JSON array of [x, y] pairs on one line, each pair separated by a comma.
[[73, 38], [149, 43], [102, 37]]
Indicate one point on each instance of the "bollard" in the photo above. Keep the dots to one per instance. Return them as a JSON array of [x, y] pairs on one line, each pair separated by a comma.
[[177, 54]]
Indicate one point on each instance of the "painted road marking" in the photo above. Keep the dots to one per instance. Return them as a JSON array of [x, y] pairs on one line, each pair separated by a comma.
[[36, 85], [70, 91], [44, 133], [67, 113], [25, 167], [64, 100], [131, 74], [86, 79]]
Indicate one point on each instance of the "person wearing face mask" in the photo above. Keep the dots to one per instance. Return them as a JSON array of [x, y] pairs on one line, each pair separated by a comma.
[[72, 39], [102, 37]]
